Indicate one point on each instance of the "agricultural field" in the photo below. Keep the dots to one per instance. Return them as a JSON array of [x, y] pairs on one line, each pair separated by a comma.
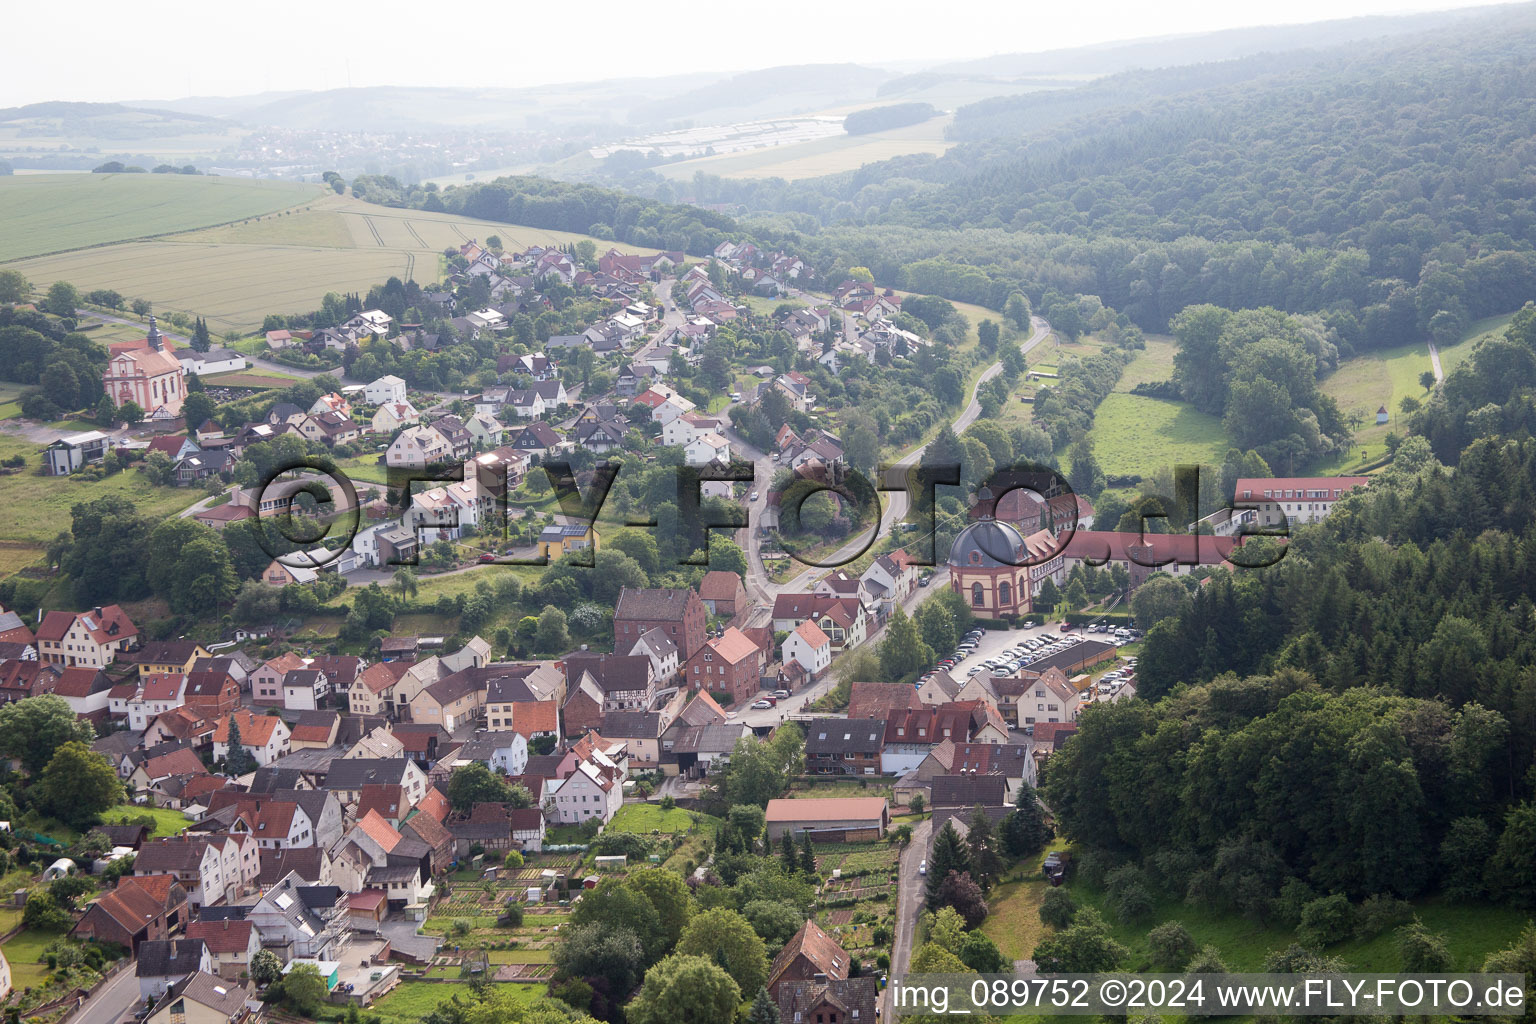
[[819, 156], [856, 907], [50, 213], [275, 260]]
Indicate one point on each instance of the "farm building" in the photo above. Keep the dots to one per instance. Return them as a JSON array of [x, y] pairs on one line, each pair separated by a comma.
[[835, 816]]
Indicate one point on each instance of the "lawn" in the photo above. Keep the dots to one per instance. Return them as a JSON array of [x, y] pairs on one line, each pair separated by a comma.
[[1452, 356], [1132, 434], [25, 953], [413, 1000], [34, 508], [333, 244], [46, 213], [167, 822], [647, 818]]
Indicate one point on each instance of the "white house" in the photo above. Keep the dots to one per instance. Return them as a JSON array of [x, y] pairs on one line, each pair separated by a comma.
[[504, 752], [484, 430], [1294, 499], [663, 653], [387, 388], [810, 648], [215, 360], [586, 793], [391, 416], [418, 447], [706, 449], [265, 736], [305, 689]]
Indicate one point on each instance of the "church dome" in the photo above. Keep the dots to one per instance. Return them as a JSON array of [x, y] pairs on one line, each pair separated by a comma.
[[987, 544]]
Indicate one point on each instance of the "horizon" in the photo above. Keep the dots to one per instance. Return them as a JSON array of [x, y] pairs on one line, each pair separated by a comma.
[[320, 61]]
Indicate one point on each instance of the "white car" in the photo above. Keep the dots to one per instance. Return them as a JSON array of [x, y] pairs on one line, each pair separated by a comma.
[[922, 868], [752, 496], [761, 705]]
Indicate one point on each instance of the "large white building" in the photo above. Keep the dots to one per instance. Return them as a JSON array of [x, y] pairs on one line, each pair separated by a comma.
[[1294, 499]]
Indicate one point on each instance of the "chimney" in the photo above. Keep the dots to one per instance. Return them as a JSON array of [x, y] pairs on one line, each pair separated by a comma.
[[98, 611]]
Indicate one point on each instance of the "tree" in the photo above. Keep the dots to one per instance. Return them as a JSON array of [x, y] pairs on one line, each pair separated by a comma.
[[614, 905], [787, 855], [14, 287], [1083, 471], [949, 854], [595, 951], [63, 299], [807, 855], [982, 841], [44, 914], [1024, 832], [70, 888], [34, 728], [1421, 950], [987, 333], [1170, 946], [668, 894], [685, 990], [303, 989], [1084, 947], [60, 385], [266, 968], [917, 803], [1327, 920], [189, 565], [1160, 597], [764, 1010], [130, 413], [552, 636], [981, 955], [238, 760], [937, 626], [1512, 869], [473, 784], [197, 409], [726, 937], [960, 891], [404, 582], [1057, 908], [776, 922], [77, 785], [200, 341], [903, 654]]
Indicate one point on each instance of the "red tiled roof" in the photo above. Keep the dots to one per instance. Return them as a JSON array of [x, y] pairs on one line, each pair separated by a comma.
[[389, 801], [255, 730], [177, 762], [874, 700], [379, 830], [531, 717], [224, 936], [433, 803]]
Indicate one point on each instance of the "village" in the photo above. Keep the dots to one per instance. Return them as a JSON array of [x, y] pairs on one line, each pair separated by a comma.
[[387, 819]]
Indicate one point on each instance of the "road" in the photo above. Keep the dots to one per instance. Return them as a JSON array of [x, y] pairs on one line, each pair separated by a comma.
[[112, 1001], [911, 896], [1434, 361]]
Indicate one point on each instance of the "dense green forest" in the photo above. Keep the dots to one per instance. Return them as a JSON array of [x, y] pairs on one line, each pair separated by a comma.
[[1360, 718]]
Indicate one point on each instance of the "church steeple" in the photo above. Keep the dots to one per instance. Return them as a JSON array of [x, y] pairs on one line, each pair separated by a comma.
[[156, 343]]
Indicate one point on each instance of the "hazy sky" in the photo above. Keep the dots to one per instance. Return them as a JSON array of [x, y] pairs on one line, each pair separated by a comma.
[[101, 50]]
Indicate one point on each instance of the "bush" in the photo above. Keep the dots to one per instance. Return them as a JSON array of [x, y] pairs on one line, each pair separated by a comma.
[[1057, 909], [1327, 920], [1171, 946], [667, 803], [1381, 912], [1132, 904]]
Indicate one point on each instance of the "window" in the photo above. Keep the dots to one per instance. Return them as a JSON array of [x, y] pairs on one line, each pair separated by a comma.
[[1004, 593], [977, 597]]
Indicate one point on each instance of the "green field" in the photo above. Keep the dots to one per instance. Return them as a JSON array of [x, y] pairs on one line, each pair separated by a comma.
[[646, 818], [34, 508], [45, 213], [167, 822], [413, 1000], [1132, 434], [237, 273], [25, 954]]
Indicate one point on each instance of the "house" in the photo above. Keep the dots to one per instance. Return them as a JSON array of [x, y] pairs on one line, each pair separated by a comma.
[[453, 431], [138, 910], [162, 657], [231, 944], [264, 736], [843, 746], [376, 856], [829, 1000], [810, 648], [639, 732], [314, 730], [626, 682], [74, 451], [203, 999], [536, 437], [348, 776], [484, 431], [305, 689], [384, 390], [707, 449], [842, 619], [663, 655], [723, 594], [968, 790], [164, 962], [504, 752], [211, 691], [156, 695], [89, 639], [278, 574], [559, 539], [371, 693], [811, 956], [876, 700], [418, 447], [1048, 698], [853, 816], [728, 667], [450, 702], [679, 614], [211, 867], [391, 416], [302, 920], [587, 792], [267, 680], [330, 428]]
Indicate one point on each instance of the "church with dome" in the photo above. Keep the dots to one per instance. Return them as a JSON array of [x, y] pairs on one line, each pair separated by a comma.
[[998, 571]]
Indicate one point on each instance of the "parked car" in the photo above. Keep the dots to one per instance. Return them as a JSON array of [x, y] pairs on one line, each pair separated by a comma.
[[752, 496], [1066, 627], [761, 705], [781, 694], [922, 868], [487, 557]]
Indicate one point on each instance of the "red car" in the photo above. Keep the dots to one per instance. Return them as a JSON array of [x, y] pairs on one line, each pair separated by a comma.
[[487, 557], [1066, 627]]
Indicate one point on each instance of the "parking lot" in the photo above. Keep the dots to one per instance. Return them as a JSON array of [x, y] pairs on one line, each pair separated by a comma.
[[993, 642]]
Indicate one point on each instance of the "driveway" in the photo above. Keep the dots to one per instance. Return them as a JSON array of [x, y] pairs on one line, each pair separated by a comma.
[[911, 897]]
